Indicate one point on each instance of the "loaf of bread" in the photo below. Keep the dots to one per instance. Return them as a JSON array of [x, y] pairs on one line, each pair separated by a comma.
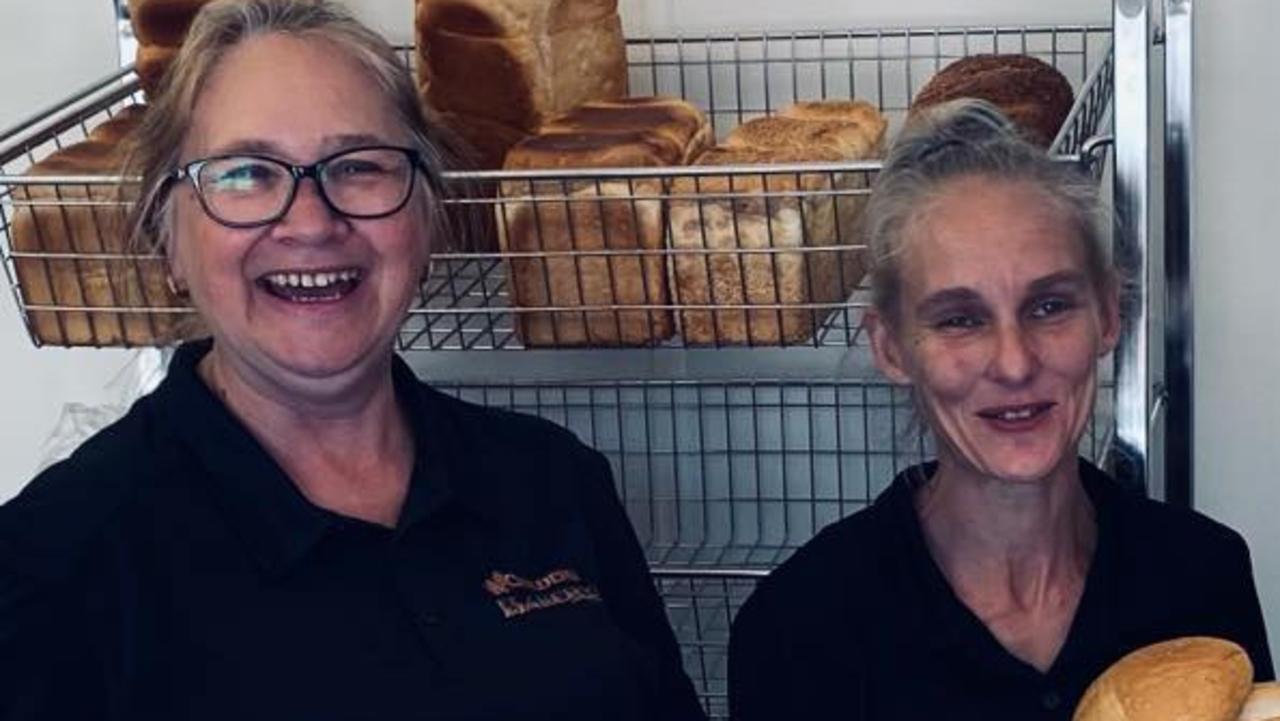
[[1186, 679], [854, 129], [1263, 703], [741, 239], [86, 222], [572, 218], [160, 27], [1031, 92], [661, 119], [519, 63]]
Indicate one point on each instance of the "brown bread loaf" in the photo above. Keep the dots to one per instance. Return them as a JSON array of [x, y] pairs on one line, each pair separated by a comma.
[[617, 214], [160, 27], [1035, 96], [519, 62]]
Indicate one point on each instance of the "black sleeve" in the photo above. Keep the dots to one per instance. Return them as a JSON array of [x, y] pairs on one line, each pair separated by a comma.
[[629, 593], [1239, 611], [45, 671], [781, 662]]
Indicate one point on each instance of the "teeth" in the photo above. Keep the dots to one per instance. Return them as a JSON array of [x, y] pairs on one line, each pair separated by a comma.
[[1021, 415], [311, 280]]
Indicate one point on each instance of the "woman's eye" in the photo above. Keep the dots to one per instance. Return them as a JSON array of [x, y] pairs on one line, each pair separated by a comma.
[[244, 177], [355, 168], [1050, 307], [958, 321]]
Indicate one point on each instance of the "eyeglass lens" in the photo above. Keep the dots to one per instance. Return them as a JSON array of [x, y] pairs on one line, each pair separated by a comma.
[[362, 183]]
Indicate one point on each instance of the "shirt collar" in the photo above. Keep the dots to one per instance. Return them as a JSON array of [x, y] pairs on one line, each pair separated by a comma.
[[934, 602], [276, 522]]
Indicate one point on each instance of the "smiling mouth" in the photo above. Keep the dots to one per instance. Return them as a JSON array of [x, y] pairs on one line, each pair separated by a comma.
[[1016, 415], [324, 286]]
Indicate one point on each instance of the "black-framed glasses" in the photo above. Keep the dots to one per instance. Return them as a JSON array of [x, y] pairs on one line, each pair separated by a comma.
[[246, 190]]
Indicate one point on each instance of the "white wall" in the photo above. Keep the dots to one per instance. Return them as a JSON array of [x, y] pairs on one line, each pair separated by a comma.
[[47, 49], [1237, 307]]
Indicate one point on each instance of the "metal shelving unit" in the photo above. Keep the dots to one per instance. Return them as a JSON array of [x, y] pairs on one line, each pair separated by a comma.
[[729, 452]]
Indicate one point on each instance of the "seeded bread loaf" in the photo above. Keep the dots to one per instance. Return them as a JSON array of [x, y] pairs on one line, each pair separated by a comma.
[[572, 218], [1031, 92], [720, 223]]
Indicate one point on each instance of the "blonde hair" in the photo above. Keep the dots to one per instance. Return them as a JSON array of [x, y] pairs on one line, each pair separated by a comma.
[[965, 138], [219, 27]]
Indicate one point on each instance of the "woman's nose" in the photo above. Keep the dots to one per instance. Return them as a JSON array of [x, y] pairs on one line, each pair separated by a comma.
[[309, 217], [1014, 359]]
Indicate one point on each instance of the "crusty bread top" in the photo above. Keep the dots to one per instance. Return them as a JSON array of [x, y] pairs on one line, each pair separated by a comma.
[[675, 119], [851, 111], [505, 18], [1194, 678], [630, 132], [1035, 96], [1263, 703], [90, 157], [592, 150], [850, 140]]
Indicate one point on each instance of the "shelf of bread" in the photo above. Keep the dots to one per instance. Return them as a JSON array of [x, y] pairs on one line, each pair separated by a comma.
[[686, 192]]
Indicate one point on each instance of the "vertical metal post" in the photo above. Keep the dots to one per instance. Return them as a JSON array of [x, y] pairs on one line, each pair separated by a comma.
[[1178, 245], [1132, 33]]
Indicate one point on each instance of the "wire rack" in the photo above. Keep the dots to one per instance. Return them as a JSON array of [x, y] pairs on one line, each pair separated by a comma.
[[723, 480], [614, 257]]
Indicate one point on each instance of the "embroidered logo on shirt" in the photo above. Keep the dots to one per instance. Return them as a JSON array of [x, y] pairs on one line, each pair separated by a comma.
[[517, 596]]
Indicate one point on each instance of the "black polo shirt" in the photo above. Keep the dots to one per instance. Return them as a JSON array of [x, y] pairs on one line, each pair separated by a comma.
[[170, 570], [861, 624]]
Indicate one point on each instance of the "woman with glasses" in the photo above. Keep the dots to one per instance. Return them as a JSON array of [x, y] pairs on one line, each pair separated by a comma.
[[998, 581], [293, 526]]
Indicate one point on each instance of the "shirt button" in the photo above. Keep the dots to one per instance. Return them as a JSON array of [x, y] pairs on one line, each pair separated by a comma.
[[1051, 700]]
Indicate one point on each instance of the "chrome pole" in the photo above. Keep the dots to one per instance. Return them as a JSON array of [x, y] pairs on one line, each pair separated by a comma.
[[1132, 22], [1178, 246]]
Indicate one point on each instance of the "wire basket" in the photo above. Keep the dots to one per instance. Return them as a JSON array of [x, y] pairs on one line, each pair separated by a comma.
[[75, 284]]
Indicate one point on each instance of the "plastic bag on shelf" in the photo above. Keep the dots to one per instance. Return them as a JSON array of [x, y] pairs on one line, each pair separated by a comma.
[[78, 421]]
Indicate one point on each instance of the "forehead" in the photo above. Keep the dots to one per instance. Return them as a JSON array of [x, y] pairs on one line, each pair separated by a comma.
[[979, 232], [293, 92]]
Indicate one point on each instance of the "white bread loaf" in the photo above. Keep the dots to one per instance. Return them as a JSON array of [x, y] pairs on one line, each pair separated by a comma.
[[624, 215], [1187, 679], [519, 62], [728, 213], [1263, 703], [88, 220]]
